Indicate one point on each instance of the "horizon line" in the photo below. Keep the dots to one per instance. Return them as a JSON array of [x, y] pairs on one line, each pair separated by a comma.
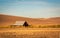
[[29, 17]]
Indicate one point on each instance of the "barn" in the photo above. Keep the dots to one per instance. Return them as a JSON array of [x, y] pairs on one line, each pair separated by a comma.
[[20, 23]]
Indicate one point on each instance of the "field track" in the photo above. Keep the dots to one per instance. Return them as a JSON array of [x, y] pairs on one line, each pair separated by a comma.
[[29, 29]]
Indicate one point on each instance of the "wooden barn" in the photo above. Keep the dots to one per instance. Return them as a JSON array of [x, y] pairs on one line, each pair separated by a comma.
[[20, 23]]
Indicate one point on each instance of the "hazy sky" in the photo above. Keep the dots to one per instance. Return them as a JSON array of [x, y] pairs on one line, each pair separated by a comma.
[[31, 8]]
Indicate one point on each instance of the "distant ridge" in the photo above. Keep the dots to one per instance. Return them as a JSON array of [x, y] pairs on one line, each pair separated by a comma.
[[8, 20]]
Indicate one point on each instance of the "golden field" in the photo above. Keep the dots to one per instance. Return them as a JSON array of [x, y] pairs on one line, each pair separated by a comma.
[[39, 27], [30, 33]]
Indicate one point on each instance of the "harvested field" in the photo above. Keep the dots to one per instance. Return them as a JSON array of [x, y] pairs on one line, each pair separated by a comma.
[[30, 33]]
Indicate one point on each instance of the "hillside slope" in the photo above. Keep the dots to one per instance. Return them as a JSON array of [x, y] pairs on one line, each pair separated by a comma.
[[8, 20]]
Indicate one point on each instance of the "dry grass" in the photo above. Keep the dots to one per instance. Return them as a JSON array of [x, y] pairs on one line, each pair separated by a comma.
[[30, 33]]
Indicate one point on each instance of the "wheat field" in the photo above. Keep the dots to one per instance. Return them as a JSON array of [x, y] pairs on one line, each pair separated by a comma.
[[30, 33]]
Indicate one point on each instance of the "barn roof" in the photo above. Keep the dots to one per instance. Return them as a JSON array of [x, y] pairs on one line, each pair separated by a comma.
[[19, 23]]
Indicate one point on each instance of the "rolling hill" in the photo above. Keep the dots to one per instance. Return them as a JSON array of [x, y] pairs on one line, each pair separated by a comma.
[[9, 20]]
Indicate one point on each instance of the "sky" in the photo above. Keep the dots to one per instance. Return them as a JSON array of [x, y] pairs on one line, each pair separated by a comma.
[[31, 8]]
